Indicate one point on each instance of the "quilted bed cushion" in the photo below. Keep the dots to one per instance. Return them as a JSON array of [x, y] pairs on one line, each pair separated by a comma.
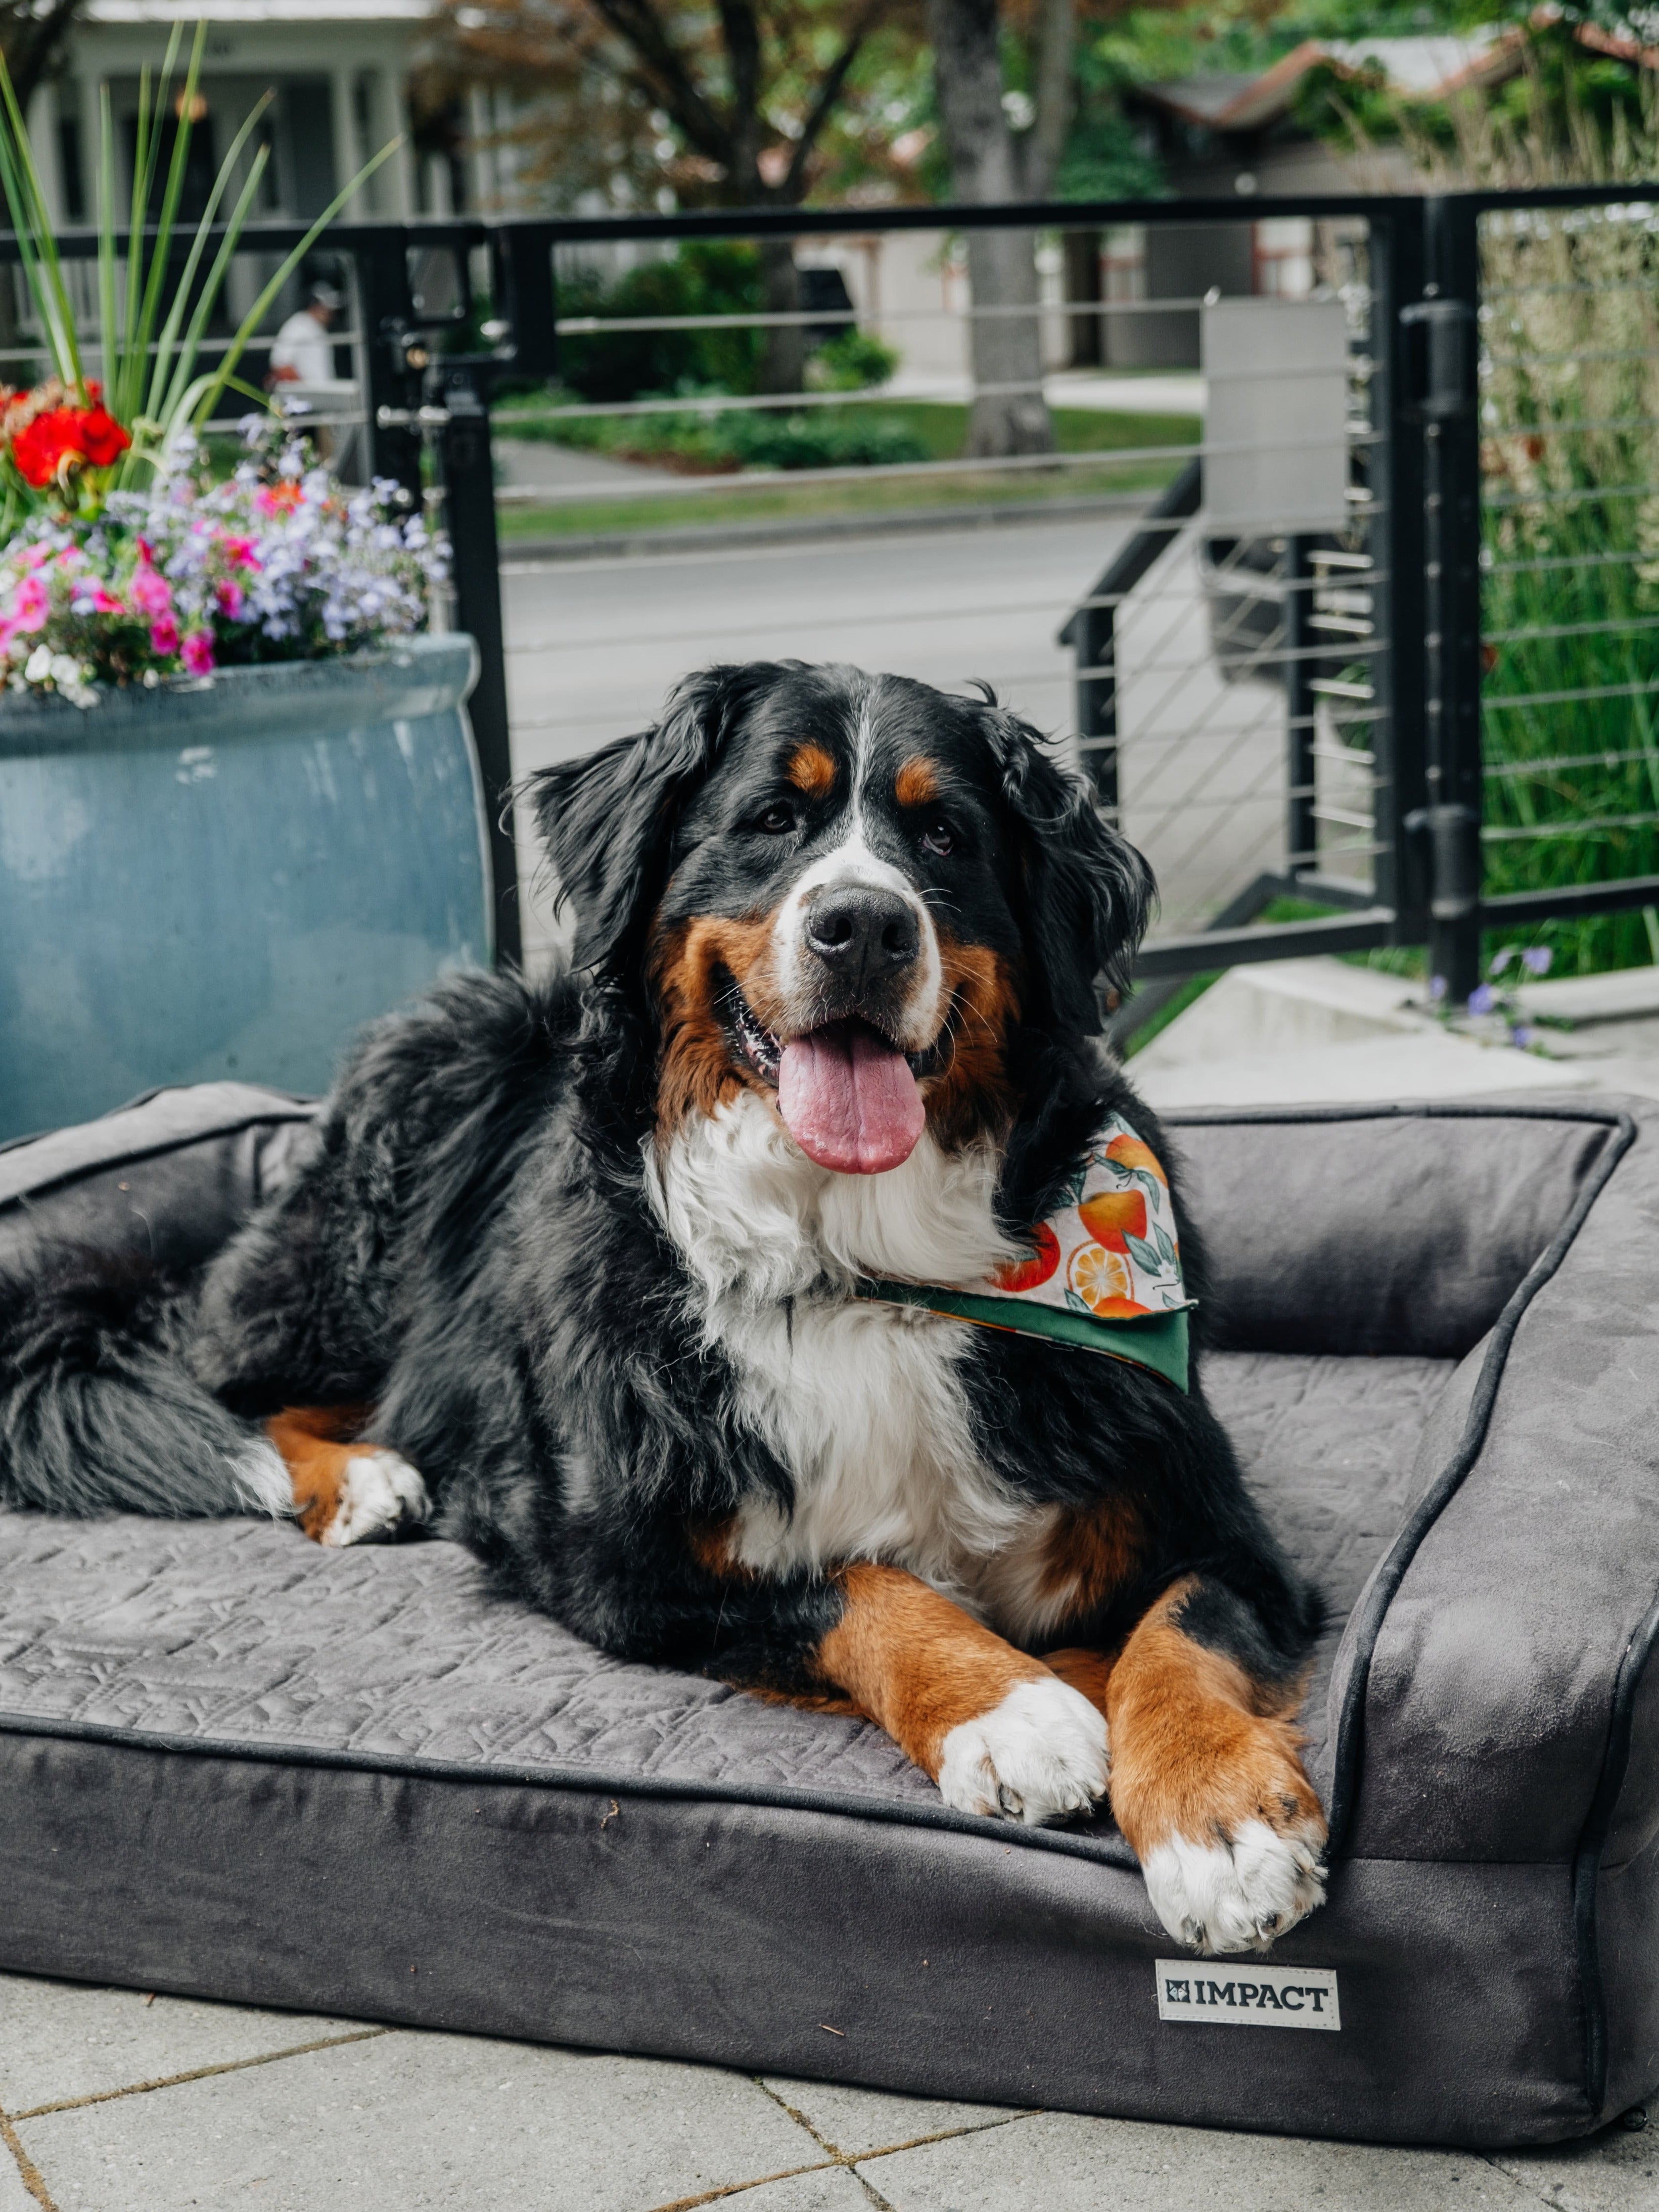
[[244, 1634]]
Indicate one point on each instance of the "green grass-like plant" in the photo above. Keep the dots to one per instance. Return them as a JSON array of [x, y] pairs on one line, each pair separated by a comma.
[[154, 308]]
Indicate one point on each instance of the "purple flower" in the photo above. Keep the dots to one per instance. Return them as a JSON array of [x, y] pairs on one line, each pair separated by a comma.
[[1539, 958], [1482, 999], [1520, 1036], [1437, 989]]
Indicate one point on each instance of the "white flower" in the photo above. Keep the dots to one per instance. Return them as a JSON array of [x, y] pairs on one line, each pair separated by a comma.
[[37, 669]]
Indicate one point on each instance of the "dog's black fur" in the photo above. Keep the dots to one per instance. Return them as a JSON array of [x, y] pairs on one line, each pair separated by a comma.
[[472, 1253]]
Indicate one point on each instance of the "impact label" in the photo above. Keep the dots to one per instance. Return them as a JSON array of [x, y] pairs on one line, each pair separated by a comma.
[[1248, 1997]]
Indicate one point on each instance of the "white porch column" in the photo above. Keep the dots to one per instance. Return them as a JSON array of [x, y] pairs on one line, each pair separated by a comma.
[[480, 126], [399, 171], [347, 160]]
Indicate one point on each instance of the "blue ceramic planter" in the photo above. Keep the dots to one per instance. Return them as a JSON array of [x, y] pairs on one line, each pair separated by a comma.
[[228, 878]]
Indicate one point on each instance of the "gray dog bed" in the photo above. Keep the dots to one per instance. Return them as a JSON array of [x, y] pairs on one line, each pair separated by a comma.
[[233, 1765]]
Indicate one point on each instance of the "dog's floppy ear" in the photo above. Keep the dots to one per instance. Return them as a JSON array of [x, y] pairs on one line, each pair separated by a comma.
[[1089, 892], [606, 819]]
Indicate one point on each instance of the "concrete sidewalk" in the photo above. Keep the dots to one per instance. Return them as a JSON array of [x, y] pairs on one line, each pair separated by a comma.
[[111, 2101], [1322, 1031]]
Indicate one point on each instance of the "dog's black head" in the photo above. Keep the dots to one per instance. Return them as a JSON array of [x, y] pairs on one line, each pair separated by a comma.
[[843, 890]]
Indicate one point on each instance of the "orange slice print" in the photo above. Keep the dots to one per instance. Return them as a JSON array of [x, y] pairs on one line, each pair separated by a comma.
[[1130, 1152], [1102, 1279], [1112, 1215], [1026, 1274]]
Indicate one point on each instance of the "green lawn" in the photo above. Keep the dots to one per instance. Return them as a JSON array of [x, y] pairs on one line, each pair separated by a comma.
[[940, 429]]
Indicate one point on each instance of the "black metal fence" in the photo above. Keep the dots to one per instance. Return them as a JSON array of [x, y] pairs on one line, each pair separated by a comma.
[[1407, 708]]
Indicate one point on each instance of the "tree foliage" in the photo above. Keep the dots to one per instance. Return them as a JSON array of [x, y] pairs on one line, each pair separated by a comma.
[[724, 103]]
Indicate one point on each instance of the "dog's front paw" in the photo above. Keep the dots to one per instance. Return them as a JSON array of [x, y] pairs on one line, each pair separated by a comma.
[[378, 1493], [1236, 1891], [1037, 1756]]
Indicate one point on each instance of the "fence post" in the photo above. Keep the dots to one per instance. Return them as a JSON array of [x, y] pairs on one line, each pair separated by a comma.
[[1396, 482], [384, 302], [1095, 643], [470, 503], [1300, 824], [1451, 642]]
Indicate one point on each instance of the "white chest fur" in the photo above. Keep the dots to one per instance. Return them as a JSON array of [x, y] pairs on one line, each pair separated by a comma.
[[863, 1403]]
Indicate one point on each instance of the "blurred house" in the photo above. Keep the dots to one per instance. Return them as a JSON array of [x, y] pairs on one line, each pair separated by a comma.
[[1237, 138], [340, 71]]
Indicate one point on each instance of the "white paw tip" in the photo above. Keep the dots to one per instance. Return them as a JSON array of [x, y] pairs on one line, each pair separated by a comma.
[[1236, 1895], [379, 1492], [1038, 1755]]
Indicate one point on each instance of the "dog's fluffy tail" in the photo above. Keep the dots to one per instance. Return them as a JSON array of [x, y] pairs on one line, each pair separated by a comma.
[[98, 1413]]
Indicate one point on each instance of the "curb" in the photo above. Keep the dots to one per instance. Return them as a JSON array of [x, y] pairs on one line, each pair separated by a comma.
[[880, 522]]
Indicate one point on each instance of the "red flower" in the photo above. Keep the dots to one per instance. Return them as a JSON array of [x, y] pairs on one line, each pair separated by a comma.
[[102, 439], [41, 446], [64, 436]]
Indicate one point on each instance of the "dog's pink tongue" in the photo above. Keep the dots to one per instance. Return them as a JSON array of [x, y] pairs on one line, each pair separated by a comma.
[[849, 1100]]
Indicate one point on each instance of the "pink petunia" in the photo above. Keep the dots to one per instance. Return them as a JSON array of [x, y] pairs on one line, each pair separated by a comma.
[[31, 604], [232, 599], [152, 594], [240, 550], [197, 651], [164, 635], [106, 603]]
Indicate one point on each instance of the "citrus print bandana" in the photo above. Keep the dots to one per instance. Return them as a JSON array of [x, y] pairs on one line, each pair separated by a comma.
[[1104, 1273]]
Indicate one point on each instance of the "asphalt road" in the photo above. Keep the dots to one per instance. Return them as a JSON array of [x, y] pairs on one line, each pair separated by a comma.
[[595, 646]]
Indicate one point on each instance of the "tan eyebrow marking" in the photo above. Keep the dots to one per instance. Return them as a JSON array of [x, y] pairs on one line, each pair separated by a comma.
[[812, 769], [918, 783]]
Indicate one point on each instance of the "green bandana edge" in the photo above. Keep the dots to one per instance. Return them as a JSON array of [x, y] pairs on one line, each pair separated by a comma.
[[1160, 1342]]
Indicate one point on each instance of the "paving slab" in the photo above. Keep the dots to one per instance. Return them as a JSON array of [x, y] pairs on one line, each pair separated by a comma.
[[1613, 2171], [1066, 2164], [829, 2188], [411, 2122], [14, 2198], [64, 2040], [855, 2121]]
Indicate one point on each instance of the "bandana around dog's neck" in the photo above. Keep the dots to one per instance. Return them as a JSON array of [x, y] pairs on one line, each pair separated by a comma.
[[1104, 1273]]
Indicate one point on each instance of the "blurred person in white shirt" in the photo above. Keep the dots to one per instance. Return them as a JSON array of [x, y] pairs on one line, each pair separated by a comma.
[[302, 352], [302, 362]]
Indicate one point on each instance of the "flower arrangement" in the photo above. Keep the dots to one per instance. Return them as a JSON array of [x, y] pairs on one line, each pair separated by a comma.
[[66, 444], [122, 558], [277, 561]]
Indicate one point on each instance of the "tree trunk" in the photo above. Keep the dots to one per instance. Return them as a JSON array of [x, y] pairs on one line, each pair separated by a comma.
[[1009, 413], [1043, 145], [783, 357], [31, 38]]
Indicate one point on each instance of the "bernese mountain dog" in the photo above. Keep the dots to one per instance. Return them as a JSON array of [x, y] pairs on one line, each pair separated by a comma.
[[686, 1289]]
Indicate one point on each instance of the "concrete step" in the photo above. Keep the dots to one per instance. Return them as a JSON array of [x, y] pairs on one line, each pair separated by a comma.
[[1320, 1031]]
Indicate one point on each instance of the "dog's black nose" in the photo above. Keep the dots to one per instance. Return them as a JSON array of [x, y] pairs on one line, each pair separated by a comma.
[[863, 932]]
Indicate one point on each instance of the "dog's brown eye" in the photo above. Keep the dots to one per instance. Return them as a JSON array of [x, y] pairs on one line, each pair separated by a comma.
[[936, 838], [776, 820]]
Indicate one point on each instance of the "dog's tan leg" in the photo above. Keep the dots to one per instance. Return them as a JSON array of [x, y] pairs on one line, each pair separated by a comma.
[[346, 1490], [997, 1730], [1208, 1787]]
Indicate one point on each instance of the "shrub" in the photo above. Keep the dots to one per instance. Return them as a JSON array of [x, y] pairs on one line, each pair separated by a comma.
[[712, 276], [852, 360]]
